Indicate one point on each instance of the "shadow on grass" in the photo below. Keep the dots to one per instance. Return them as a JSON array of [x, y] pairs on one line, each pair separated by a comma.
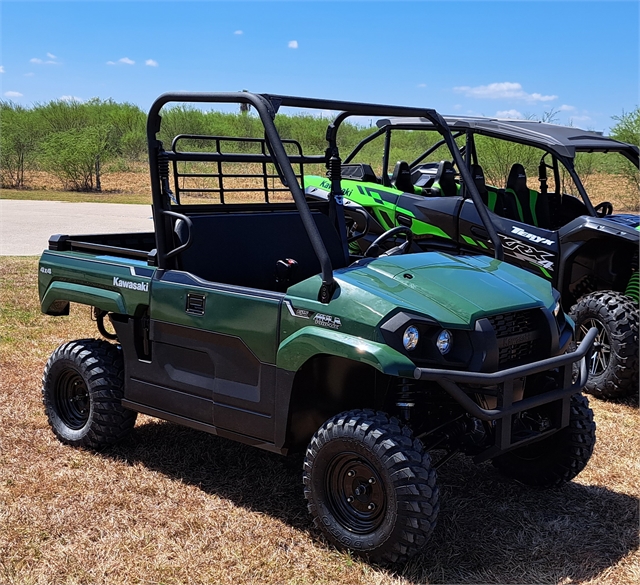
[[490, 529], [632, 401]]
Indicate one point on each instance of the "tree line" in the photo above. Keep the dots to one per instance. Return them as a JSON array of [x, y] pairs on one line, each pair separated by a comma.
[[79, 141]]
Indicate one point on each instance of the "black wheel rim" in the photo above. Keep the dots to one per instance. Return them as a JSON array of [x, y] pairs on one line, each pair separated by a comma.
[[355, 493], [601, 356], [72, 399]]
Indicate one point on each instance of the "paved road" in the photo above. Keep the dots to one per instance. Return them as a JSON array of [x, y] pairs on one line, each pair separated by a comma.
[[25, 226]]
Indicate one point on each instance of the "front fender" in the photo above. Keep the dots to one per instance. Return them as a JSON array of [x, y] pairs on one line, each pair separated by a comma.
[[310, 341], [57, 291]]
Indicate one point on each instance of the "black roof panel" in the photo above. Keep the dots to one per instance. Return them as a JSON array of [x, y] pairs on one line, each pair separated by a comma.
[[562, 140]]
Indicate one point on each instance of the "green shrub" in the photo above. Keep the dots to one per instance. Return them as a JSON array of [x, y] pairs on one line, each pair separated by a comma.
[[627, 130], [75, 156], [19, 138]]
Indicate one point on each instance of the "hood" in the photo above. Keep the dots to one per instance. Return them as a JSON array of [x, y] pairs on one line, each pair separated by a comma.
[[626, 219], [454, 290]]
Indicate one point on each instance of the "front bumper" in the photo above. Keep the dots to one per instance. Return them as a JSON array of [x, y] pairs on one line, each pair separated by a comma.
[[503, 382]]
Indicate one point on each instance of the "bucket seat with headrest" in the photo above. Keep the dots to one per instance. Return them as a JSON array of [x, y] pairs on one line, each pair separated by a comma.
[[444, 184], [401, 178], [493, 198], [530, 206]]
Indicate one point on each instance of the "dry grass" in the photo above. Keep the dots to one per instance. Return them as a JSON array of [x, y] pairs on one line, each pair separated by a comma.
[[172, 505], [616, 189], [133, 187]]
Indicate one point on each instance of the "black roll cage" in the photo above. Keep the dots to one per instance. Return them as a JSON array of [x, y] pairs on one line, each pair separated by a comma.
[[559, 152], [267, 106]]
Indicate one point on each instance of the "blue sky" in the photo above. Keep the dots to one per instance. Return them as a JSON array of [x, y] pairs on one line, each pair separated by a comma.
[[511, 59]]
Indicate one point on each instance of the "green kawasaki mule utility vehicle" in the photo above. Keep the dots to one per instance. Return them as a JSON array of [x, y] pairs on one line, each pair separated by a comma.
[[588, 253], [245, 315]]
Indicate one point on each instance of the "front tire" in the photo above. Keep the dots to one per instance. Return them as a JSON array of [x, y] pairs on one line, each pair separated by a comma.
[[370, 486], [613, 369], [557, 459], [82, 389]]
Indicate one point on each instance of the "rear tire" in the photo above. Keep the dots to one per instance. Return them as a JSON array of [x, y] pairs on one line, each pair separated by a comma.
[[613, 370], [82, 389], [557, 459], [370, 486]]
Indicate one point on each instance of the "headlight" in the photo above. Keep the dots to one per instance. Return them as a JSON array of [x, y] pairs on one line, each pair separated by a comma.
[[443, 343], [410, 338], [557, 309]]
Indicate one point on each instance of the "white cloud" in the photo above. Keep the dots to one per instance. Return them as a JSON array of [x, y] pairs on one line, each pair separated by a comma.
[[509, 114], [422, 85], [566, 108], [503, 90], [293, 44], [70, 98], [580, 121], [151, 63], [30, 74], [38, 61], [12, 94], [238, 32], [125, 60], [1, 68]]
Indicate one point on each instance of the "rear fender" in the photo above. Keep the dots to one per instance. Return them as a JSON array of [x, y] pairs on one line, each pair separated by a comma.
[[58, 294]]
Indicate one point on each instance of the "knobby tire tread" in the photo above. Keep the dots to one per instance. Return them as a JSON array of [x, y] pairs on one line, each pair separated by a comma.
[[410, 471], [101, 366], [619, 314], [565, 457]]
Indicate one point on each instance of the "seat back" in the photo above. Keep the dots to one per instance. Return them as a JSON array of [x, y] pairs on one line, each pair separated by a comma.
[[243, 248], [492, 198], [359, 172], [444, 184], [401, 178], [530, 206]]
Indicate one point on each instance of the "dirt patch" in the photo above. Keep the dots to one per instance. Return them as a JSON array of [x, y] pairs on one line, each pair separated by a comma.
[[601, 187], [616, 189], [114, 182]]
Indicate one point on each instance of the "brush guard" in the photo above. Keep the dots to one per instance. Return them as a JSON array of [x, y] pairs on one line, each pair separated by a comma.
[[502, 416]]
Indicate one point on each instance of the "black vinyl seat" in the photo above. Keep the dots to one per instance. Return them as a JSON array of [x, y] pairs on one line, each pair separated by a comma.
[[527, 205], [444, 183], [401, 178], [492, 198]]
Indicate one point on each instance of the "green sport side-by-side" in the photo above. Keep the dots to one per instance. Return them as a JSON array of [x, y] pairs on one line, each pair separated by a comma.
[[247, 314], [588, 253]]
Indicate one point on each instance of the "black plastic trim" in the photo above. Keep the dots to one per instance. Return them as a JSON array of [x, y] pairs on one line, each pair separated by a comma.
[[201, 426]]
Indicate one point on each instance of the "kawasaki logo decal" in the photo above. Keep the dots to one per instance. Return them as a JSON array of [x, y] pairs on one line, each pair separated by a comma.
[[327, 321], [535, 239], [326, 185], [141, 286]]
